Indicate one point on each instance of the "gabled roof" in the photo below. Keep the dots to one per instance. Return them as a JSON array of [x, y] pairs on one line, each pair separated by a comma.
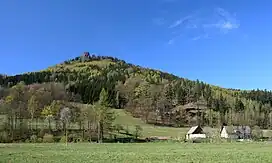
[[194, 129]]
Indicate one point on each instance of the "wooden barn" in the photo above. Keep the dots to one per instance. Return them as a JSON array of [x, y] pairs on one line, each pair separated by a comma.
[[195, 132], [235, 132]]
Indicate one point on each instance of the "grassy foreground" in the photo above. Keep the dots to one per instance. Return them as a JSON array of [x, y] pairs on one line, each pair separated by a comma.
[[132, 153]]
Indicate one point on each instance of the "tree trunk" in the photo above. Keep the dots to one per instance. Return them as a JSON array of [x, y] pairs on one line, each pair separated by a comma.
[[15, 122], [66, 134], [20, 120], [36, 124], [31, 125], [89, 131], [11, 126], [80, 125], [49, 123], [98, 132], [102, 132], [89, 125], [83, 132], [211, 119]]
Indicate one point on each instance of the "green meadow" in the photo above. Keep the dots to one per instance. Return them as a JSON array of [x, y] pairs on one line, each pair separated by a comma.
[[136, 153]]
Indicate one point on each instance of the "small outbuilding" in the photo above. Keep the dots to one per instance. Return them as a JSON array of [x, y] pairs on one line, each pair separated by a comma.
[[195, 132], [235, 132]]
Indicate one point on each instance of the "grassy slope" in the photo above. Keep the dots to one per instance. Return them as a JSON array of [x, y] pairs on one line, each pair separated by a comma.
[[136, 153], [125, 119]]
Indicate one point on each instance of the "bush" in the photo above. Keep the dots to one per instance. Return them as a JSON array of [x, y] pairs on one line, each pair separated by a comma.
[[4, 137], [138, 131], [257, 133], [27, 141], [73, 137], [118, 128], [56, 139], [39, 140], [33, 139], [79, 140], [43, 132], [48, 138], [63, 139]]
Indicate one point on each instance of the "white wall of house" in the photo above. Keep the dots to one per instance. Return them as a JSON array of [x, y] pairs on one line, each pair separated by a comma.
[[224, 133], [194, 136]]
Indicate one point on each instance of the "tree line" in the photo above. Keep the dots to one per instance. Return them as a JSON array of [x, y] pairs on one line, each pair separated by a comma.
[[25, 109]]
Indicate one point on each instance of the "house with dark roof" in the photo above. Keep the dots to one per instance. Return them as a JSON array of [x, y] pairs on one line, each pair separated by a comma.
[[235, 132], [195, 132]]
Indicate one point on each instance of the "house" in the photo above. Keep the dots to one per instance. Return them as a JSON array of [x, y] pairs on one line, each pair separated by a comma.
[[266, 134], [195, 132], [235, 132]]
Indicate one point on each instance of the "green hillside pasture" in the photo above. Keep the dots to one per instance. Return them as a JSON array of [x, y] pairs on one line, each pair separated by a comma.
[[136, 153], [127, 120]]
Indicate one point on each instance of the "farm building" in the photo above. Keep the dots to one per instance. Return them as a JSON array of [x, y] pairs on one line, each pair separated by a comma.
[[235, 132], [266, 134], [195, 132]]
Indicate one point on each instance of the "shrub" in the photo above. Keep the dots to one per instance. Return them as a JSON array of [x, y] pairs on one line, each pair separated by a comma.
[[33, 139], [118, 128], [39, 140], [4, 137], [79, 140], [138, 131], [27, 141], [56, 139], [257, 133], [73, 137], [41, 133], [63, 139], [48, 138]]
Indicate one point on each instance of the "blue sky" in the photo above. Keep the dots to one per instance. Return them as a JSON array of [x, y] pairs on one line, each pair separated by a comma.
[[226, 42]]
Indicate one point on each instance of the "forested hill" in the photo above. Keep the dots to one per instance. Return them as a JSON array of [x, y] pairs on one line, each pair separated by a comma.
[[152, 95]]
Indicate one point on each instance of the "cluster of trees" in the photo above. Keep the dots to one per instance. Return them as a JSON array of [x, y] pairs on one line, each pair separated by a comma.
[[25, 108], [154, 96]]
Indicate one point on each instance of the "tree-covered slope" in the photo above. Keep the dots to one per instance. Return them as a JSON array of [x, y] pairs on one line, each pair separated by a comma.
[[156, 97]]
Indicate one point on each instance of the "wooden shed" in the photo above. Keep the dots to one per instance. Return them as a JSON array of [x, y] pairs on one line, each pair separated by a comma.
[[195, 132]]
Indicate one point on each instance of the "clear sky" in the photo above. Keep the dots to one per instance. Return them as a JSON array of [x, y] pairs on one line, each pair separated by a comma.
[[226, 42]]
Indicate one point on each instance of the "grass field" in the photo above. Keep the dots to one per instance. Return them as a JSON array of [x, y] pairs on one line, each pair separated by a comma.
[[148, 130], [140, 153]]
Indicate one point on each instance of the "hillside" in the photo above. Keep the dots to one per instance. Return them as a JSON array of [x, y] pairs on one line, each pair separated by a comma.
[[126, 120], [156, 97]]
